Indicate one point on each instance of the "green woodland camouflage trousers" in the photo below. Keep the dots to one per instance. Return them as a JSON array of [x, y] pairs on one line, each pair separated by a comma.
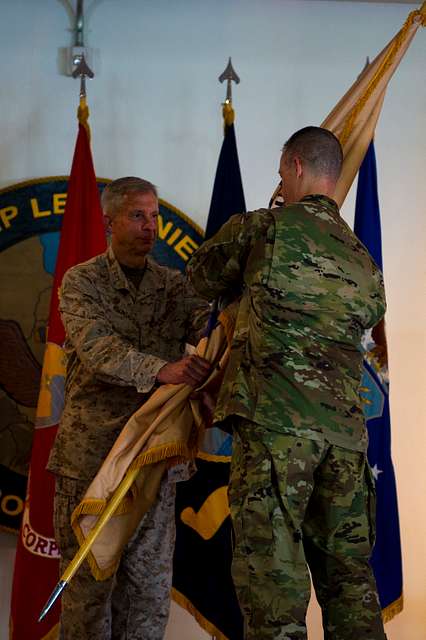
[[297, 503], [134, 604]]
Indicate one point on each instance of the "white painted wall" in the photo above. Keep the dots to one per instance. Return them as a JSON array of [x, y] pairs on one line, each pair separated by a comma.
[[155, 112]]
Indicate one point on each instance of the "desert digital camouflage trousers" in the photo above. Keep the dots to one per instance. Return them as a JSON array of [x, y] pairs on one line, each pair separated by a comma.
[[297, 503], [135, 603]]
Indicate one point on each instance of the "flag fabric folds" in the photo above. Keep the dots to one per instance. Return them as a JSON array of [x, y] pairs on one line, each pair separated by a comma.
[[37, 558], [202, 581], [386, 558], [353, 119], [164, 431]]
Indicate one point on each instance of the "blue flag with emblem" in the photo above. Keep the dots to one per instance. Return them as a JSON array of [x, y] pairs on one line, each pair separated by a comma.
[[386, 558], [202, 581]]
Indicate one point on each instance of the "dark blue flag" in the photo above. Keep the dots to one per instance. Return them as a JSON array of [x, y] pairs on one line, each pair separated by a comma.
[[386, 558], [228, 194], [202, 581]]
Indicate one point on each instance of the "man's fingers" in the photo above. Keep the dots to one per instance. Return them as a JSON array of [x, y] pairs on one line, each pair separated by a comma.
[[197, 368], [200, 363], [192, 370]]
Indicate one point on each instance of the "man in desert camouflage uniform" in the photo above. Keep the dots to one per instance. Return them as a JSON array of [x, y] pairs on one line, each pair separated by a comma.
[[127, 320], [301, 492]]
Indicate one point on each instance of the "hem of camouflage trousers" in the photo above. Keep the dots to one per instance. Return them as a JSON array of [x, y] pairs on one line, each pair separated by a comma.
[[205, 624], [393, 609]]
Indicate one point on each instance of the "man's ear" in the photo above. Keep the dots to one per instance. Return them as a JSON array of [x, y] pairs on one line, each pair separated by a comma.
[[107, 223], [298, 166]]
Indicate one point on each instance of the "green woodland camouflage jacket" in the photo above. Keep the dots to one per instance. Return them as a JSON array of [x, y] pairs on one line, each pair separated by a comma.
[[309, 291], [117, 339]]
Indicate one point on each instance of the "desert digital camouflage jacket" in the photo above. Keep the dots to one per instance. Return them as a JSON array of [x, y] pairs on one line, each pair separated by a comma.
[[117, 339], [309, 291]]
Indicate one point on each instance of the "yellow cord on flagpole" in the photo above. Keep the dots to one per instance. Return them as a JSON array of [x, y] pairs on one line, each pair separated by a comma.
[[228, 114], [420, 16], [83, 115]]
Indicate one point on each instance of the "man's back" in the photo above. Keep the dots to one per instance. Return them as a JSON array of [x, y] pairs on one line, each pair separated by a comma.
[[300, 491], [310, 290]]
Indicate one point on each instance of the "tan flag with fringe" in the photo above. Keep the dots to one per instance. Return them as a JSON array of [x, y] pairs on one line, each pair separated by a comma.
[[353, 120], [164, 431]]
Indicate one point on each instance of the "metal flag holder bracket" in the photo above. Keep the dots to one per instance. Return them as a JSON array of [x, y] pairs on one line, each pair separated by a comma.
[[71, 57]]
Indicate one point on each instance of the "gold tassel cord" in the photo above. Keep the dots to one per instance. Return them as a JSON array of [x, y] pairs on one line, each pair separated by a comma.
[[418, 15], [83, 115], [228, 114]]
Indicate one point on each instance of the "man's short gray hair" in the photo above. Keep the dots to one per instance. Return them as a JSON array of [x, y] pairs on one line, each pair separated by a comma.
[[318, 148], [115, 193]]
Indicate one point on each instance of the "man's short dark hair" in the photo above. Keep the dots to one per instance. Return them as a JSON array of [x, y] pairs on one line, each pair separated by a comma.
[[115, 193], [318, 148]]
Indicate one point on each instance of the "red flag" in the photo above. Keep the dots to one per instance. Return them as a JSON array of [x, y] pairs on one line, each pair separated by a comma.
[[37, 557]]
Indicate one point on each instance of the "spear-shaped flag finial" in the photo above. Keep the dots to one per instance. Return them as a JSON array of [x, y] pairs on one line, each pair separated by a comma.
[[83, 70], [229, 75]]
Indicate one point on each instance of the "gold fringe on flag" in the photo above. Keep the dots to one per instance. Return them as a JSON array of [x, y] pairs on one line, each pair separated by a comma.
[[393, 609], [353, 120], [205, 624], [418, 16]]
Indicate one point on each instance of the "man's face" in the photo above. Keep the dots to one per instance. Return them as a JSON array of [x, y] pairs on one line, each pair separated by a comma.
[[288, 175], [134, 228]]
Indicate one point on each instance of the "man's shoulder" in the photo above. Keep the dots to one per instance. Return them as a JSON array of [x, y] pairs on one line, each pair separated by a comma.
[[258, 216], [89, 269], [256, 221], [96, 262]]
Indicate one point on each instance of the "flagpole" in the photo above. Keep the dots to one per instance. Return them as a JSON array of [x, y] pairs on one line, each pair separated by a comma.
[[81, 554], [229, 75], [227, 199], [82, 71]]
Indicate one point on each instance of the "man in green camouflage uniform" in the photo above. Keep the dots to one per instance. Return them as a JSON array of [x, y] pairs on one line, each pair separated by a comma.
[[301, 493], [127, 320]]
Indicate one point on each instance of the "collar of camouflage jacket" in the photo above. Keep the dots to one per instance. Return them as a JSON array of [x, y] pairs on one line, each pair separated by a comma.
[[119, 280], [324, 200]]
